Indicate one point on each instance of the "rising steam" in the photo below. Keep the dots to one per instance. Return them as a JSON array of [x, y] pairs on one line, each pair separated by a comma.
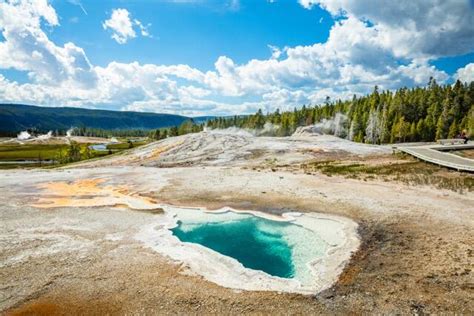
[[336, 126], [23, 135], [70, 132], [27, 136], [45, 136]]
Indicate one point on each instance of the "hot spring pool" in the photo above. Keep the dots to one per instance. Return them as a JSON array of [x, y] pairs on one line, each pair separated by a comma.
[[302, 253], [257, 243]]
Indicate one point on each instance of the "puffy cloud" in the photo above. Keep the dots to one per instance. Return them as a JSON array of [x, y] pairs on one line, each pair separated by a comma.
[[122, 26], [285, 99], [465, 74], [350, 61], [412, 29], [26, 47]]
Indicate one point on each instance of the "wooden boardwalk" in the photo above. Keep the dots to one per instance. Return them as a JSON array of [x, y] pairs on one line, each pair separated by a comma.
[[437, 154]]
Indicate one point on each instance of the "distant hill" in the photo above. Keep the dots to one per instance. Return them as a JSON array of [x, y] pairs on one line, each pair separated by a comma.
[[18, 117]]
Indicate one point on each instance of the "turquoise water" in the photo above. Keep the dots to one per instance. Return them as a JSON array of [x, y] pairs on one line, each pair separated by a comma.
[[257, 243]]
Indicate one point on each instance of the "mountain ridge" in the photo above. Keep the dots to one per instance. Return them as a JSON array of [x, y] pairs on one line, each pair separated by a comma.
[[17, 117]]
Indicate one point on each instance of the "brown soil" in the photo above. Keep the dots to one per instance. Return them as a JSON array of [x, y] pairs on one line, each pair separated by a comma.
[[465, 153]]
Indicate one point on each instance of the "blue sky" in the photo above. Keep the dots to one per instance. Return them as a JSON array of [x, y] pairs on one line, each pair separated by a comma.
[[193, 33], [199, 57]]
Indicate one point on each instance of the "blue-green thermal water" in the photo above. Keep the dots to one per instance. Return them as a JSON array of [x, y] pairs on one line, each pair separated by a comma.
[[257, 243]]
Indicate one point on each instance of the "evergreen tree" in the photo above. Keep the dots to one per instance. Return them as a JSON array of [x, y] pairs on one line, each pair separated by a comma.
[[173, 131], [453, 130], [86, 152], [73, 152], [259, 120]]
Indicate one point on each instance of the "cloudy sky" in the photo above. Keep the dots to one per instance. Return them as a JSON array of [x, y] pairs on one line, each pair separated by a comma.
[[198, 57]]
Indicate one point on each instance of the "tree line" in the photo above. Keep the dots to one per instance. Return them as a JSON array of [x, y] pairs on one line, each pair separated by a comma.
[[407, 114], [186, 127]]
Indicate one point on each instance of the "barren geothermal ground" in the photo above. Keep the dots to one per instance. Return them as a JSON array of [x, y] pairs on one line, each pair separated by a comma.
[[93, 238]]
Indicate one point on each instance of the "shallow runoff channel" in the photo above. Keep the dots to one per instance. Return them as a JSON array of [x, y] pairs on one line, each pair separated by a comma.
[[248, 250]]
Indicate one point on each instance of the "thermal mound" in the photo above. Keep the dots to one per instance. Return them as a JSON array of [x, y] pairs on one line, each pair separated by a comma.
[[225, 148]]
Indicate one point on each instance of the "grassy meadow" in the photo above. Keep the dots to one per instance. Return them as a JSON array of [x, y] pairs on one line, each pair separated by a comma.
[[14, 155]]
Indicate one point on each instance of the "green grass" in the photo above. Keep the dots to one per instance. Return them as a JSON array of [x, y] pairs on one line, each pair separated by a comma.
[[125, 145], [42, 152], [29, 152], [118, 146]]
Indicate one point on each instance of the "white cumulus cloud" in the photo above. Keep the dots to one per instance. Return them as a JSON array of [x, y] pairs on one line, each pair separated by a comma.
[[27, 47], [412, 29], [122, 26], [466, 74]]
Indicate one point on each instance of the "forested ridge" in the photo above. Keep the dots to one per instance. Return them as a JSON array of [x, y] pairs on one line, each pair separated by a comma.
[[407, 114], [17, 117]]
